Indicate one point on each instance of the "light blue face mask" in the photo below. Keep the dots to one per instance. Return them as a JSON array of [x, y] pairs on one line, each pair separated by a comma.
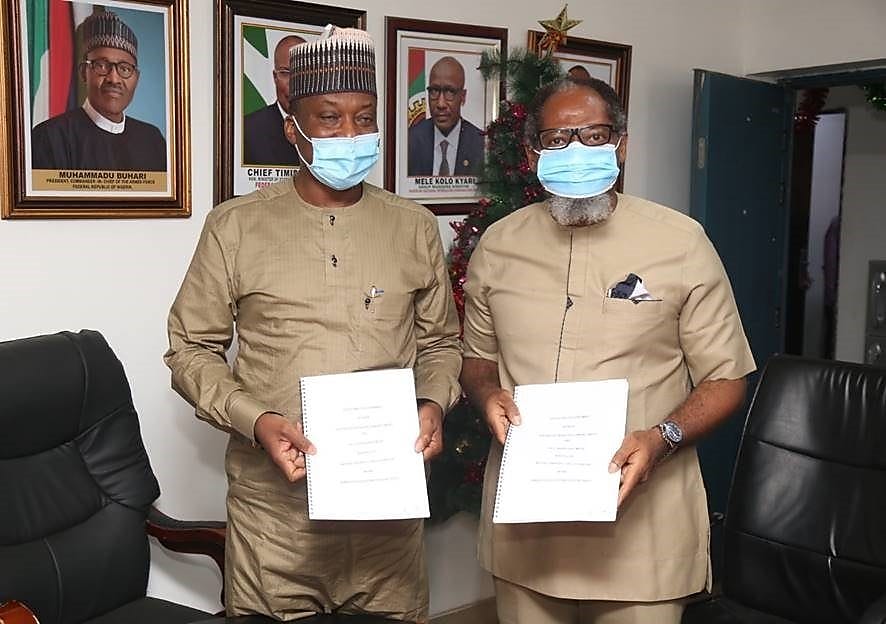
[[578, 170], [341, 162]]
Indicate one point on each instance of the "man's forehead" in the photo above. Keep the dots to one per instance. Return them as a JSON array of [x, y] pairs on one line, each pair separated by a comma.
[[283, 47], [446, 71], [341, 100], [111, 54], [577, 103]]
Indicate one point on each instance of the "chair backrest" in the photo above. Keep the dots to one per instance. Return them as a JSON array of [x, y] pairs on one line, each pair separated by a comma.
[[805, 531], [75, 481]]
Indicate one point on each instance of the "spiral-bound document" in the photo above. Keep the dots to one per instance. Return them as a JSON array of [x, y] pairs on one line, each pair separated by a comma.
[[555, 464], [364, 426]]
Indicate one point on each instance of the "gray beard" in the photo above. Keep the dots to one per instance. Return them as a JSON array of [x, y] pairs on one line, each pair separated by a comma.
[[581, 211]]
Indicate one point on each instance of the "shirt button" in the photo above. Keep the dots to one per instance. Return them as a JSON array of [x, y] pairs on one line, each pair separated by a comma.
[[334, 261], [331, 219]]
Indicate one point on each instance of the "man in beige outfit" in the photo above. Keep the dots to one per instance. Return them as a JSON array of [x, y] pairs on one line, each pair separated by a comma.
[[590, 285], [319, 274]]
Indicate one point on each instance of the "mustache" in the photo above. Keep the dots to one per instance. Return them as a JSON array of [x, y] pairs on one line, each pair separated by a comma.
[[113, 88]]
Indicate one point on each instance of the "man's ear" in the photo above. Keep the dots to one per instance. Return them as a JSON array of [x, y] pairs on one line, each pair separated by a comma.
[[82, 71], [290, 130], [622, 153], [531, 157]]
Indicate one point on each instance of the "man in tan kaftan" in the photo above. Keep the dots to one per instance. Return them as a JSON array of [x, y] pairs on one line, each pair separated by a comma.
[[319, 274], [593, 285]]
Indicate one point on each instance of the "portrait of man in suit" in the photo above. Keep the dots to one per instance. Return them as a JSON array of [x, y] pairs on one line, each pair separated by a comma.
[[445, 144], [263, 140], [99, 134]]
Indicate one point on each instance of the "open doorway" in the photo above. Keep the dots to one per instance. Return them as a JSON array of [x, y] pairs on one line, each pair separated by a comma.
[[814, 239], [837, 224], [741, 191]]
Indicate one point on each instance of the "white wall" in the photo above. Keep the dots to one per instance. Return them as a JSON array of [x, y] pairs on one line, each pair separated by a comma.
[[790, 34], [120, 276], [863, 228]]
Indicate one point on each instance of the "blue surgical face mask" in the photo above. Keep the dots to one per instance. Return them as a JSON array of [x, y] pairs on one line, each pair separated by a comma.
[[341, 162], [578, 170]]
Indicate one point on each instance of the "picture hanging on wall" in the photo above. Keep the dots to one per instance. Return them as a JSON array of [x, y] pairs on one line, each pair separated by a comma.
[[252, 43], [438, 105], [95, 105]]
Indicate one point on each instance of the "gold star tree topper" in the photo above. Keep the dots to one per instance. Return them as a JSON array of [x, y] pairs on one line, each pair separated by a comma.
[[555, 31]]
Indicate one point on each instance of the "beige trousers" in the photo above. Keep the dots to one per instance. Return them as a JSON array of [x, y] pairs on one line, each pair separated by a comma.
[[519, 605]]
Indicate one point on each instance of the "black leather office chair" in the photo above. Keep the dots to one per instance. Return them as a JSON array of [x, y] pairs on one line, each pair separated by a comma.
[[805, 529], [76, 488]]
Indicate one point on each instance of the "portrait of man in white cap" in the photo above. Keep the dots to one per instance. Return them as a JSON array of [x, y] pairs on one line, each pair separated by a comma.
[[99, 134], [317, 274]]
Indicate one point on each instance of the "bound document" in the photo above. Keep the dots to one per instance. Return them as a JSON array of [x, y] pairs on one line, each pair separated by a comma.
[[555, 465], [364, 426]]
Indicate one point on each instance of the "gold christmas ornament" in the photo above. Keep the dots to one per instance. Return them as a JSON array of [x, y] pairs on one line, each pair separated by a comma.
[[555, 31]]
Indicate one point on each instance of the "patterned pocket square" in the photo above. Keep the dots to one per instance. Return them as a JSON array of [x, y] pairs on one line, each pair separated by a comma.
[[631, 288]]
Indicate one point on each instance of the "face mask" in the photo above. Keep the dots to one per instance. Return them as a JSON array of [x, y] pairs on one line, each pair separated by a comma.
[[578, 170], [341, 162]]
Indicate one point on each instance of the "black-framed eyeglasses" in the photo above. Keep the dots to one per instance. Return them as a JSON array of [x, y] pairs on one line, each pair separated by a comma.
[[103, 67], [448, 93], [558, 138]]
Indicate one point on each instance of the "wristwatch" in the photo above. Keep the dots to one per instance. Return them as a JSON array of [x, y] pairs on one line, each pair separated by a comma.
[[671, 434]]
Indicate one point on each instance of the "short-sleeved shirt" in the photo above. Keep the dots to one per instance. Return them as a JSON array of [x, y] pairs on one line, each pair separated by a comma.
[[538, 305]]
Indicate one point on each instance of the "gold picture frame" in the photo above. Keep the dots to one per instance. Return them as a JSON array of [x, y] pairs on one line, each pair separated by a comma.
[[49, 137]]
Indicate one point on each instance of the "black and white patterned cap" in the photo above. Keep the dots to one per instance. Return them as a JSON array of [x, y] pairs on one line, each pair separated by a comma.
[[107, 30], [342, 60]]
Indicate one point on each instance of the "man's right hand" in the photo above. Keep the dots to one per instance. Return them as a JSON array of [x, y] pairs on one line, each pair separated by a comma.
[[285, 443], [501, 412]]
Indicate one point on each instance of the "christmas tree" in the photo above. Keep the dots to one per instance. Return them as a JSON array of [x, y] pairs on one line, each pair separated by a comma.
[[507, 183]]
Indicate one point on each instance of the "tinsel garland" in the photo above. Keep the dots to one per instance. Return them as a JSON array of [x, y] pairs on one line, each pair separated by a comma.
[[876, 95]]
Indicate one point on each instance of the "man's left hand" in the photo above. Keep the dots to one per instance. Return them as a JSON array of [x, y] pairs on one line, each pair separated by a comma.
[[430, 430], [639, 453]]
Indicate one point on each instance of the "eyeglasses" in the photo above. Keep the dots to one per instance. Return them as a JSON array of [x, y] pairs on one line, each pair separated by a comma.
[[558, 138], [103, 67], [448, 93], [283, 71]]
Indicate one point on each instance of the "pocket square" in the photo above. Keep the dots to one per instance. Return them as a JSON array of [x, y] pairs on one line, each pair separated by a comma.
[[631, 288]]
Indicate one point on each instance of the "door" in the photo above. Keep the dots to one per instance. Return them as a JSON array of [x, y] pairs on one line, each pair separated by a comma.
[[740, 143]]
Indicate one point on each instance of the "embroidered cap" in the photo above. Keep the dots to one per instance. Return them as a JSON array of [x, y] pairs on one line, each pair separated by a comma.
[[107, 30], [342, 60]]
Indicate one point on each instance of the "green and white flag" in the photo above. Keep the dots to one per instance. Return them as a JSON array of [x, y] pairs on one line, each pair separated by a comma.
[[258, 81]]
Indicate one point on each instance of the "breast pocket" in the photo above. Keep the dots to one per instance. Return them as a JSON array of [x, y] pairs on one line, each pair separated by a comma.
[[388, 329], [635, 329], [628, 312]]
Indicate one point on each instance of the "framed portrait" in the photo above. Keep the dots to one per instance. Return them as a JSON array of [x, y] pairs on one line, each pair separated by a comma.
[[437, 107], [95, 102], [252, 43]]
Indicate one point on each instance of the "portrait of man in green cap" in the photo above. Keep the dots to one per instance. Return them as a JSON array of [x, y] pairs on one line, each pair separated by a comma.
[[99, 134]]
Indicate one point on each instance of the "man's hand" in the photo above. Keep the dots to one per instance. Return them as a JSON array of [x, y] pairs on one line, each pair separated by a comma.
[[430, 430], [285, 443], [501, 412], [636, 458]]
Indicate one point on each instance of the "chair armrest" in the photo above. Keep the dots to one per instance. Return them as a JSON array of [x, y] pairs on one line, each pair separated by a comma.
[[876, 613], [14, 612], [195, 537]]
